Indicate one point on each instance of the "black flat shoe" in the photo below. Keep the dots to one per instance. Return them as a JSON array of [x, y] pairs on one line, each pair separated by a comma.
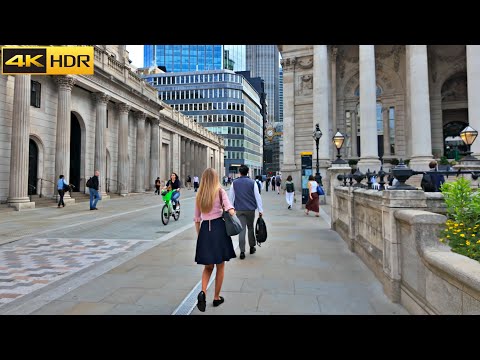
[[218, 302], [202, 302]]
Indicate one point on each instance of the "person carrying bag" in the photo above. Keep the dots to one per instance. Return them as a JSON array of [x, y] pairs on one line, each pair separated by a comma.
[[214, 244]]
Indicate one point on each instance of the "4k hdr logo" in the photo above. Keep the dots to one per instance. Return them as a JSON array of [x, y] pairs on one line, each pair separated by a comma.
[[49, 60]]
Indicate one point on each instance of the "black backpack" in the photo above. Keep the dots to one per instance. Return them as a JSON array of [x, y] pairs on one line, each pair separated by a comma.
[[427, 183], [289, 187], [89, 183], [260, 231]]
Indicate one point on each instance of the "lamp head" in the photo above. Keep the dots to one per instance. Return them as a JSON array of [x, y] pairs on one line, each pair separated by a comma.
[[468, 135]]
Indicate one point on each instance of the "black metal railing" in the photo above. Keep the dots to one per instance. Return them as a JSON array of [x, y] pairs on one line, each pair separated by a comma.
[[401, 173], [30, 186], [107, 185], [41, 187]]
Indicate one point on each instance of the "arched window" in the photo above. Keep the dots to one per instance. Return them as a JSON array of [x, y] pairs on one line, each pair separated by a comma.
[[379, 91]]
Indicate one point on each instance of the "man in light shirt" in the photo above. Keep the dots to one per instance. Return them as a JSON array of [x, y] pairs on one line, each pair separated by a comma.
[[195, 183], [245, 197]]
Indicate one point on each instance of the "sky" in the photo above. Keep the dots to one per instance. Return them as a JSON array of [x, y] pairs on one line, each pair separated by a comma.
[[136, 55]]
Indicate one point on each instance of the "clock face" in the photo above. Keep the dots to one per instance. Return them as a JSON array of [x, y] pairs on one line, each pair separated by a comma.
[[270, 132]]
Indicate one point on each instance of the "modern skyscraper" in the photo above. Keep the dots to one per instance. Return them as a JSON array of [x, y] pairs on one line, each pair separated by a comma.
[[176, 58], [223, 102], [263, 61]]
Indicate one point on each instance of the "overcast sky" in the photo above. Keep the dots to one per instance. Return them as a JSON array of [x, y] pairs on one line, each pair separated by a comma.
[[136, 55]]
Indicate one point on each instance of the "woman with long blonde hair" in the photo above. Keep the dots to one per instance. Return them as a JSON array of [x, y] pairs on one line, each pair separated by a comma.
[[214, 246]]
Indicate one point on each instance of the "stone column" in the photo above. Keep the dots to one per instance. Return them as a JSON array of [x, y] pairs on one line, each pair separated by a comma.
[[473, 82], [419, 97], [221, 160], [175, 153], [183, 160], [188, 157], [386, 131], [123, 166], [140, 162], [154, 159], [101, 100], [195, 158], [18, 185], [334, 90], [62, 146], [161, 156], [321, 110], [368, 110], [354, 141], [214, 160], [288, 167]]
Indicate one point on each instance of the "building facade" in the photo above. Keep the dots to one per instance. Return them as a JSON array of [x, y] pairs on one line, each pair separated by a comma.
[[111, 121], [223, 102], [182, 58], [263, 61], [391, 101]]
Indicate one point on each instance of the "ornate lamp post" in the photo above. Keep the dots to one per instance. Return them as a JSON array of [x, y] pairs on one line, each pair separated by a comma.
[[338, 140], [468, 136], [317, 134]]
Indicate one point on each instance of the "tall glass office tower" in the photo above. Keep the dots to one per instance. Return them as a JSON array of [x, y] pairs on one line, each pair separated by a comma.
[[263, 61], [176, 58]]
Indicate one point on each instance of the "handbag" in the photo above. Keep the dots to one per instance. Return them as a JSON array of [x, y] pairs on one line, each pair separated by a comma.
[[232, 222], [320, 190]]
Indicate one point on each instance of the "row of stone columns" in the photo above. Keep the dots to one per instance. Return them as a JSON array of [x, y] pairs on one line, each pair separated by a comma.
[[193, 159], [418, 98], [191, 155]]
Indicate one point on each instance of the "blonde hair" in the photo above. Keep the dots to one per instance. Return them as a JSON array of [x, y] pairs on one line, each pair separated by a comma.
[[208, 190]]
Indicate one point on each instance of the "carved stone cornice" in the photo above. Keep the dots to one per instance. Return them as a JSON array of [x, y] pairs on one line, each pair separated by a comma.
[[140, 115], [123, 108], [305, 62], [101, 98], [122, 93], [288, 64], [65, 82]]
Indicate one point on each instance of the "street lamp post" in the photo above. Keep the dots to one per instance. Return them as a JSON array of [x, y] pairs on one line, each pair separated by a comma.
[[317, 134], [338, 140], [468, 136]]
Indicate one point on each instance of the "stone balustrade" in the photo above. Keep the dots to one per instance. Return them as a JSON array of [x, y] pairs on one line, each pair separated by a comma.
[[397, 238]]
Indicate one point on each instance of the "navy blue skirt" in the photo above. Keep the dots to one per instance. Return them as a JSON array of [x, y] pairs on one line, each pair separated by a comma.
[[214, 246]]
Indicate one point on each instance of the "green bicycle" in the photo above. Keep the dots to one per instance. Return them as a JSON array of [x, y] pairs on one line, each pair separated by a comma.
[[167, 209]]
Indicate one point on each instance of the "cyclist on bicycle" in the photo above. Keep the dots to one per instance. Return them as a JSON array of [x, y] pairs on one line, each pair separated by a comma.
[[175, 184]]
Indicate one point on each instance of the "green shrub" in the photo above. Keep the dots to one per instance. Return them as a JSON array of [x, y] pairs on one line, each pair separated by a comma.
[[462, 231], [444, 161], [352, 162]]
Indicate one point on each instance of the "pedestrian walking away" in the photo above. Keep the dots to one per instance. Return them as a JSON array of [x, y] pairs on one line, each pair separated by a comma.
[[214, 246], [189, 182], [312, 203], [245, 197], [278, 182], [158, 183], [273, 183], [62, 186], [289, 191], [195, 183], [94, 187]]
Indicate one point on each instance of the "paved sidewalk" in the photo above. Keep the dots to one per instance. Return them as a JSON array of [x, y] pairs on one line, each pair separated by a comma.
[[303, 268]]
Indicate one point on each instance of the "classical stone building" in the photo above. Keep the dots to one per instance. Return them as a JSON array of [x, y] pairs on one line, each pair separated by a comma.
[[391, 101], [112, 121]]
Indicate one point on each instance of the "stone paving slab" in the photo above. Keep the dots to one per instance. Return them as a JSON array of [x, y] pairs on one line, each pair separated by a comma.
[[303, 268]]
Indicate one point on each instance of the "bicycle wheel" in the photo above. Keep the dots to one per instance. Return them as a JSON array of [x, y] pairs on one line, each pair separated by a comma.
[[176, 214], [165, 214]]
